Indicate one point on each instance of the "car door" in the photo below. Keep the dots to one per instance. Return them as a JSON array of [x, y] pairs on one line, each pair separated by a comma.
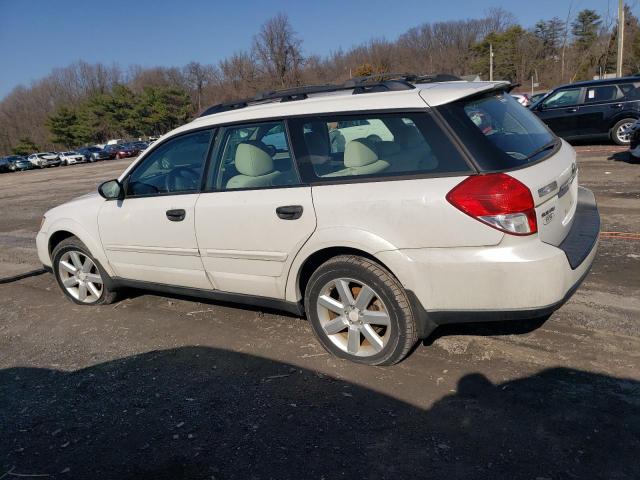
[[600, 104], [255, 214], [559, 111], [150, 236]]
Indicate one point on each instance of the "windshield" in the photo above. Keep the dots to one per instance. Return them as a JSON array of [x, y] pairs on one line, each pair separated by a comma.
[[504, 133]]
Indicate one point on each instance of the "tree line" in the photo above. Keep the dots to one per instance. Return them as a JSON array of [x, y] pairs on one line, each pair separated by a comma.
[[90, 103]]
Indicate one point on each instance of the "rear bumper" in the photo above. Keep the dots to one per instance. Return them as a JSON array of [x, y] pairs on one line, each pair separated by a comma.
[[520, 278]]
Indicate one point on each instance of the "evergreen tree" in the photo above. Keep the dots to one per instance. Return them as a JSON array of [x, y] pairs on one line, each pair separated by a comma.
[[62, 125], [585, 28], [25, 147]]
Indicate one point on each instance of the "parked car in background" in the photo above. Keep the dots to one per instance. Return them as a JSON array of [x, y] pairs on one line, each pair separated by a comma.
[[634, 141], [536, 97], [111, 151], [8, 164], [594, 109], [21, 163], [142, 146], [127, 150], [5, 165], [70, 158], [522, 98], [466, 209], [93, 154], [44, 159]]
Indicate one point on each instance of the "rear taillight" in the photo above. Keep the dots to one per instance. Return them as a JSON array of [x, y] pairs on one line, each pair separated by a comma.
[[498, 200]]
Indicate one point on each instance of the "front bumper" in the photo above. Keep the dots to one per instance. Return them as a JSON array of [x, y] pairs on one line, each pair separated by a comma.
[[518, 279], [42, 247]]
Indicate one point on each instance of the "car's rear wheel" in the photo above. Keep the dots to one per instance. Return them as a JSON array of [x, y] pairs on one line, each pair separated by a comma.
[[79, 275], [620, 131], [359, 311]]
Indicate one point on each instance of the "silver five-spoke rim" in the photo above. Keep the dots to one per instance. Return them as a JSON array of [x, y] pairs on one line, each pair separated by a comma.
[[623, 132], [80, 276], [353, 317]]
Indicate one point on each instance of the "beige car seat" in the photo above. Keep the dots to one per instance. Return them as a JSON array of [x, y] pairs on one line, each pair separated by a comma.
[[360, 158], [255, 167]]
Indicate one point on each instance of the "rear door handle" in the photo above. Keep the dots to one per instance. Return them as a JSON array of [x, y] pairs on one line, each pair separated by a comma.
[[289, 212], [617, 105], [176, 215]]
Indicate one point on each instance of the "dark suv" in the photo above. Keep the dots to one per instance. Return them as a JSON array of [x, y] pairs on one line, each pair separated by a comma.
[[594, 109]]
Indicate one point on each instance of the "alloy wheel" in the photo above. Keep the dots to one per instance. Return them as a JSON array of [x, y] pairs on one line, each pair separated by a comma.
[[623, 132], [353, 316], [80, 276]]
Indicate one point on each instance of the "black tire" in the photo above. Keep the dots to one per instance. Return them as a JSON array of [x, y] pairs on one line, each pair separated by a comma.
[[613, 132], [403, 330], [109, 293]]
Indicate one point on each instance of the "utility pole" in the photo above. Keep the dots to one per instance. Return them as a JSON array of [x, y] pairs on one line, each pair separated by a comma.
[[491, 61], [620, 37]]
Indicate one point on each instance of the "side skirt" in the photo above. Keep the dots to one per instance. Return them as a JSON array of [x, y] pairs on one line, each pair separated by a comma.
[[295, 308]]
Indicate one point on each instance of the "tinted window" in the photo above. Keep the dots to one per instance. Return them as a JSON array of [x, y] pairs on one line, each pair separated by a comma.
[[605, 93], [562, 98], [253, 156], [331, 148], [631, 91], [501, 133], [173, 167]]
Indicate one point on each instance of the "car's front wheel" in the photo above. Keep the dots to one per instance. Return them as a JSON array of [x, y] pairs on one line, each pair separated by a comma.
[[359, 311], [79, 275], [620, 133]]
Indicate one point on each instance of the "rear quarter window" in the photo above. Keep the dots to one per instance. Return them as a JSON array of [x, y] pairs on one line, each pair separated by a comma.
[[500, 133]]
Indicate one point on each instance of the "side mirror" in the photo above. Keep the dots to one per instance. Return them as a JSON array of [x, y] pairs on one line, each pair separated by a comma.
[[111, 190]]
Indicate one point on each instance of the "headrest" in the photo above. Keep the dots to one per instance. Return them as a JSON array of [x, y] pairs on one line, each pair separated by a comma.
[[252, 160], [408, 136], [317, 143], [359, 153]]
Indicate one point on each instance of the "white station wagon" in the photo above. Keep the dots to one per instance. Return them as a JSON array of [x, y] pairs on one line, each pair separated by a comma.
[[380, 209]]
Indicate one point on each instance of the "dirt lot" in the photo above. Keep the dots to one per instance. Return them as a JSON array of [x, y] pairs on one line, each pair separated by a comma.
[[157, 387]]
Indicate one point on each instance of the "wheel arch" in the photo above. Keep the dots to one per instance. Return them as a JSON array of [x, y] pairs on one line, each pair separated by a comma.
[[623, 116], [318, 257], [65, 228]]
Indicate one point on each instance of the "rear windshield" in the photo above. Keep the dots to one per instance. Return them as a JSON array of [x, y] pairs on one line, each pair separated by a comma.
[[500, 133]]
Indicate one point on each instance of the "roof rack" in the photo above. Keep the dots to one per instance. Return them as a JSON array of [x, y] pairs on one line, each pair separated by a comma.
[[383, 82]]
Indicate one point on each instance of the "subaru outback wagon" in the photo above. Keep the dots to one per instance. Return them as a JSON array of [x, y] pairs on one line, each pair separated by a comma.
[[381, 210]]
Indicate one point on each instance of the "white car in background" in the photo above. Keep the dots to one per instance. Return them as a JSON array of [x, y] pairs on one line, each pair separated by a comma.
[[450, 204], [522, 98], [70, 158], [44, 159]]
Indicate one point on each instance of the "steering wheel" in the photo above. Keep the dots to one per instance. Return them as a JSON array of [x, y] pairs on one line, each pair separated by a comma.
[[180, 179]]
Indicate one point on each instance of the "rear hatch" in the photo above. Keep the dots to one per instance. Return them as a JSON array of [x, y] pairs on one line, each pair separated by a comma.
[[554, 186], [503, 136]]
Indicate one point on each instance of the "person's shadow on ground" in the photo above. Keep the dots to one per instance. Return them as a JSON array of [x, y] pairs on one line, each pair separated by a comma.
[[204, 413]]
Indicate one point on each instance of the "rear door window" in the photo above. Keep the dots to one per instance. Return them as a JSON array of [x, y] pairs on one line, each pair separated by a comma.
[[253, 156], [604, 93], [359, 147]]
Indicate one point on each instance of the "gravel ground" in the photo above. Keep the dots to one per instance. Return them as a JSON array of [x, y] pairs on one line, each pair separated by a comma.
[[163, 387]]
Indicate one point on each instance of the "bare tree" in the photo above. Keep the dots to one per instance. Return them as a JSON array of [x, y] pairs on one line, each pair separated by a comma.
[[197, 76], [277, 48]]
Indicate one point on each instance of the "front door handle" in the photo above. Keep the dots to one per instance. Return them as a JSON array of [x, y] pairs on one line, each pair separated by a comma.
[[617, 105], [289, 212], [571, 110], [176, 215]]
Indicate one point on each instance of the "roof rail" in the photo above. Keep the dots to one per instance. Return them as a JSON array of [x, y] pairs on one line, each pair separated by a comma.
[[369, 84]]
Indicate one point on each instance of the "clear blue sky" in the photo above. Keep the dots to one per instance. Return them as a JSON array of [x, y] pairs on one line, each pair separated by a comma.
[[37, 36]]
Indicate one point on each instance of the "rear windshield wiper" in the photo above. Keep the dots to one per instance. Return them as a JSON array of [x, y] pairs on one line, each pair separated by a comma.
[[546, 146]]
